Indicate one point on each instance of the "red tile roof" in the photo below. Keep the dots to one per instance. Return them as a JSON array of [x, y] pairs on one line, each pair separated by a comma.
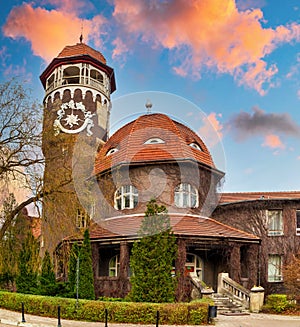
[[182, 225], [81, 49], [130, 141], [247, 196]]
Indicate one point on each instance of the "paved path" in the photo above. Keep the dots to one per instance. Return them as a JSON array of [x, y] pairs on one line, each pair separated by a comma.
[[258, 320], [10, 318]]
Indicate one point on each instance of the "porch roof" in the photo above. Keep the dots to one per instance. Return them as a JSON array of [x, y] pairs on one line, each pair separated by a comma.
[[187, 226]]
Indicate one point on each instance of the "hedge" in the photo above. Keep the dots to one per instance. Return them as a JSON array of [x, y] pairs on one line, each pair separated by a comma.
[[193, 313]]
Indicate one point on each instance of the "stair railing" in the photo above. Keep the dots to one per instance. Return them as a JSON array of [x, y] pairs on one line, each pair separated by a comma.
[[233, 290]]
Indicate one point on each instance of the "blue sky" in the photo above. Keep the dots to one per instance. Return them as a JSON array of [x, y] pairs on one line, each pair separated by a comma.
[[236, 63]]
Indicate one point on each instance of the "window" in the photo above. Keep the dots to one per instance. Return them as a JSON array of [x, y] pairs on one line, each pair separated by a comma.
[[82, 219], [114, 266], [186, 196], [275, 268], [111, 151], [126, 197], [96, 75], [193, 265], [297, 222], [154, 140], [275, 224], [196, 146], [71, 75]]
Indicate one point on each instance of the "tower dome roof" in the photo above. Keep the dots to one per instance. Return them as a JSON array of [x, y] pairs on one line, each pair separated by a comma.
[[81, 49], [152, 138]]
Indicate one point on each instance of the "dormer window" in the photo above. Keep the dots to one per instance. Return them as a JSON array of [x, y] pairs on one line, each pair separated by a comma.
[[111, 151], [195, 146], [155, 140]]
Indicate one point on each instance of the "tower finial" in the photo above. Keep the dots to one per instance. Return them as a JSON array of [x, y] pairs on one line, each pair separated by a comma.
[[81, 35], [148, 105]]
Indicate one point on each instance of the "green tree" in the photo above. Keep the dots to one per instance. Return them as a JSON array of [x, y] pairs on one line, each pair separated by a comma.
[[72, 270], [153, 257], [28, 266], [86, 275], [47, 281]]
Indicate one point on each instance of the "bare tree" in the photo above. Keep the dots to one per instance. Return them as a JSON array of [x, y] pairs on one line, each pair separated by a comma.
[[21, 159], [20, 130]]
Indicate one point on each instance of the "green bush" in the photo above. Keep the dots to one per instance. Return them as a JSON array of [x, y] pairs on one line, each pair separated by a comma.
[[277, 303], [194, 313]]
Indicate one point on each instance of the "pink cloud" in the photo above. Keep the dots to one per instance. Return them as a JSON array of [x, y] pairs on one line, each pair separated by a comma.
[[49, 31], [273, 141], [208, 33], [211, 131]]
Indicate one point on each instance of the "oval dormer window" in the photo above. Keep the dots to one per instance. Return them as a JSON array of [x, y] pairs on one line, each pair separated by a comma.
[[154, 140], [196, 146], [111, 151]]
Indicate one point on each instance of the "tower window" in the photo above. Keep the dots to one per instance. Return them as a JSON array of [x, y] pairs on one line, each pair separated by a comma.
[[82, 219], [154, 140], [186, 196], [71, 75], [126, 197], [96, 75]]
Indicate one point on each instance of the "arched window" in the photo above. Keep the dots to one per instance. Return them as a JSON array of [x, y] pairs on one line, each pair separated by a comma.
[[186, 196], [126, 197], [194, 265], [114, 266], [71, 75], [96, 75], [50, 81]]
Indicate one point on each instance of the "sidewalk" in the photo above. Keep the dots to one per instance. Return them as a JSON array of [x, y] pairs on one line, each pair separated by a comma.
[[11, 318]]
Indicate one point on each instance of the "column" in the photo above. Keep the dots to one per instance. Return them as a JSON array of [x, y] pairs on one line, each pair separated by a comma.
[[235, 263]]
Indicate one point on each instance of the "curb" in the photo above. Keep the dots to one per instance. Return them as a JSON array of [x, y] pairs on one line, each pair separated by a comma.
[[18, 323]]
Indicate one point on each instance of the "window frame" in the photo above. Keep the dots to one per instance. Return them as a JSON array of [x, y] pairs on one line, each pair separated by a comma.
[[274, 230], [82, 218], [186, 196], [298, 222], [115, 270], [276, 266], [194, 267], [125, 198]]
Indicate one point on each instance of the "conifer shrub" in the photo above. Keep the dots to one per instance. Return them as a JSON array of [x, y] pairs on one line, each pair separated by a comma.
[[47, 281], [86, 274], [194, 313], [152, 258], [28, 264]]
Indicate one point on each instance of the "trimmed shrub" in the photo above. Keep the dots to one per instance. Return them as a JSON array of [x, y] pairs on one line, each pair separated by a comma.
[[277, 303], [194, 313]]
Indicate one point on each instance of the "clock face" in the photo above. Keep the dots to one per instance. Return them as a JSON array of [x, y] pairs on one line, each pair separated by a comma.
[[72, 118]]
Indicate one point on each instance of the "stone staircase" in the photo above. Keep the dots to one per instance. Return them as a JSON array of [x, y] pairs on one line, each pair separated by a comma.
[[227, 306]]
